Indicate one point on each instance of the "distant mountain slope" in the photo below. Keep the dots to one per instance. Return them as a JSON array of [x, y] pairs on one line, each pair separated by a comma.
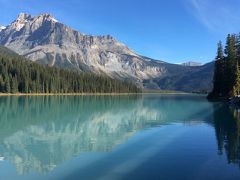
[[192, 79], [5, 52], [198, 79], [45, 40], [191, 63]]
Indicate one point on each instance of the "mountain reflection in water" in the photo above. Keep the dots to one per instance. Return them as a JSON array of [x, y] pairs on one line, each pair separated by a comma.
[[38, 133]]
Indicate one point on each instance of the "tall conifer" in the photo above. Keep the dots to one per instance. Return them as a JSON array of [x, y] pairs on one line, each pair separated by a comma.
[[230, 52], [219, 71], [236, 87]]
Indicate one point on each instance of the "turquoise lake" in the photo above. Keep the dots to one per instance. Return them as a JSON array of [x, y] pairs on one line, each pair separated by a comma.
[[118, 137]]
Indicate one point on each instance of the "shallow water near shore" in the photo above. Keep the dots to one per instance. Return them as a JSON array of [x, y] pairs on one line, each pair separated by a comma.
[[148, 136]]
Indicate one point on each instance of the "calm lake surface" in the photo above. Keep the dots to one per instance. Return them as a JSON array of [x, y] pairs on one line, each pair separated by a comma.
[[118, 137]]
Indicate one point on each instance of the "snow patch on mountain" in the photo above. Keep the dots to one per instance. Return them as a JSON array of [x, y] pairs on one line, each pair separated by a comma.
[[2, 28]]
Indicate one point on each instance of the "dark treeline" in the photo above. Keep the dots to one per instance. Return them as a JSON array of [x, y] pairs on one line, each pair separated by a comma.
[[20, 76], [226, 82]]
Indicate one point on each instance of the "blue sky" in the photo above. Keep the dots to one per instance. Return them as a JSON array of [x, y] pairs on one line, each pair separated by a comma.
[[170, 30]]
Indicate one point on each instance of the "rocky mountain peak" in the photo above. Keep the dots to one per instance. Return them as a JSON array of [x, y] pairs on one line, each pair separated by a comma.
[[23, 16], [47, 17], [21, 21]]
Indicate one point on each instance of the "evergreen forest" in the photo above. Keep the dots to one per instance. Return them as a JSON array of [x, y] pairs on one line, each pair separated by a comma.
[[18, 75]]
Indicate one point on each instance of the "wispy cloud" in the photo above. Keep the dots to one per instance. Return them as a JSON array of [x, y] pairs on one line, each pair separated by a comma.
[[217, 15]]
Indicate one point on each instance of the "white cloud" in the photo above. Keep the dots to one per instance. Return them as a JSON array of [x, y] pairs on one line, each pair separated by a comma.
[[218, 16]]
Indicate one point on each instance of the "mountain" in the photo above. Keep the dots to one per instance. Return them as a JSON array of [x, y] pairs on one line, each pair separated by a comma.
[[47, 41], [191, 63], [199, 79]]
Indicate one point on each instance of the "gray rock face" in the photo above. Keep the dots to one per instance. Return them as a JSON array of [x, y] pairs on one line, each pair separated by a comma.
[[45, 40]]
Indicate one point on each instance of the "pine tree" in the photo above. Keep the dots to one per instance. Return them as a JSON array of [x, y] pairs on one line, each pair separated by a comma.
[[7, 85], [219, 72], [236, 87], [238, 48], [226, 74], [230, 52], [13, 85], [2, 85]]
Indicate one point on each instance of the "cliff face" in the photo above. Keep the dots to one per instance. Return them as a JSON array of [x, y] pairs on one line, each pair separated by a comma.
[[45, 40]]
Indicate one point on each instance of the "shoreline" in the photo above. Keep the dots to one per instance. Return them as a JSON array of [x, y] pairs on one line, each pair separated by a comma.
[[88, 94]]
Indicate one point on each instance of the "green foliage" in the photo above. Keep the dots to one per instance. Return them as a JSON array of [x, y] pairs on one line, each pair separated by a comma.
[[219, 72], [226, 81], [18, 75], [236, 87]]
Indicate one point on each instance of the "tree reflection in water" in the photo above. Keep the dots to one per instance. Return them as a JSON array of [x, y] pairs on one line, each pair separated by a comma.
[[227, 127]]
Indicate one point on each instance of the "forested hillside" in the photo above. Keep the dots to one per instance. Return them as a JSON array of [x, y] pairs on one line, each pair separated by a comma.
[[226, 82], [20, 76], [193, 79]]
